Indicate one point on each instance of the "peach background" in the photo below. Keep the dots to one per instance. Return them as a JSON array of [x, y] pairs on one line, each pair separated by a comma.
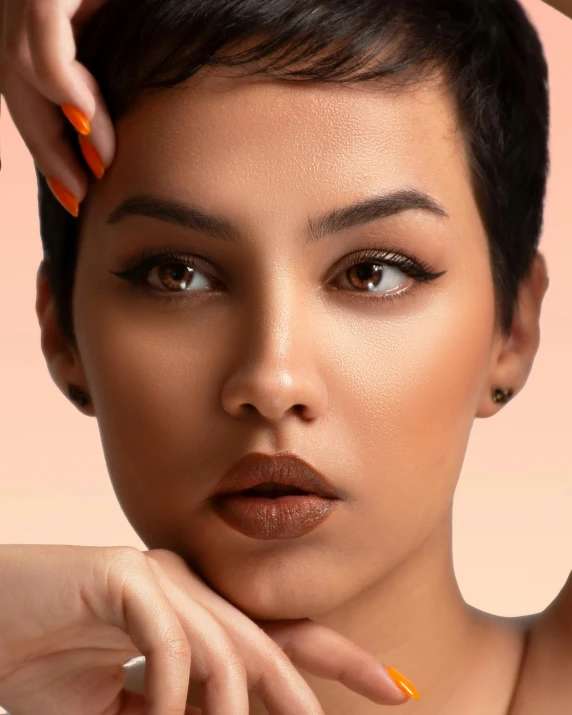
[[512, 525]]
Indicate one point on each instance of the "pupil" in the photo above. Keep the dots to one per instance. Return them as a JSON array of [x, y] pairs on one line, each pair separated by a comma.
[[368, 273], [177, 273], [363, 272], [174, 273]]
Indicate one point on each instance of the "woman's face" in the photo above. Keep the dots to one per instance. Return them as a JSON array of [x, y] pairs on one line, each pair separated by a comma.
[[188, 372]]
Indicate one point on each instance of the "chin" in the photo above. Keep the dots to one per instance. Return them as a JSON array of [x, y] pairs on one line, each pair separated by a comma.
[[272, 597], [276, 609]]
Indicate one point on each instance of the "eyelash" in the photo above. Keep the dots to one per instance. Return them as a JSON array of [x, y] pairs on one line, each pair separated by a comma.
[[138, 269]]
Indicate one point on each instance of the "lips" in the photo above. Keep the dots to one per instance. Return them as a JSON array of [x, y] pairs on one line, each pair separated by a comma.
[[287, 517], [272, 490], [284, 468]]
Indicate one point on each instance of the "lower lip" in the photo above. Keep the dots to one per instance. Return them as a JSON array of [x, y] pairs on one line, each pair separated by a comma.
[[285, 517]]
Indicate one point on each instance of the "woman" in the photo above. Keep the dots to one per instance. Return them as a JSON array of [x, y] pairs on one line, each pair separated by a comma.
[[350, 284]]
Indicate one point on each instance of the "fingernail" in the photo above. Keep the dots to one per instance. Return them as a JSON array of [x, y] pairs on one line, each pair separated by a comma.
[[91, 156], [64, 196], [402, 683], [77, 118]]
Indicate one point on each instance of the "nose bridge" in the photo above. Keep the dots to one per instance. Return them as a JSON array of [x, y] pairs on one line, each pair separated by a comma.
[[277, 320], [276, 332], [277, 311], [273, 369]]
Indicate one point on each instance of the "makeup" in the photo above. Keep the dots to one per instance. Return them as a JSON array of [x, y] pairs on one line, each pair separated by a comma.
[[284, 517]]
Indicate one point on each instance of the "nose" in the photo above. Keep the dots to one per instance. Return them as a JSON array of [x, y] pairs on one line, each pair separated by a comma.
[[276, 368]]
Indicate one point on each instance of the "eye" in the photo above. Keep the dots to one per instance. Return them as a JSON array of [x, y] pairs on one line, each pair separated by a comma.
[[170, 276], [177, 277], [382, 274], [375, 277]]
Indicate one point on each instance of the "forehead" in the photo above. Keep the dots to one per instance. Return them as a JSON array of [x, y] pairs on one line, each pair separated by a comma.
[[268, 142]]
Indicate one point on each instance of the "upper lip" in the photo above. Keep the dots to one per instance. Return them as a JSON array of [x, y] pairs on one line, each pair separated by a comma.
[[283, 468]]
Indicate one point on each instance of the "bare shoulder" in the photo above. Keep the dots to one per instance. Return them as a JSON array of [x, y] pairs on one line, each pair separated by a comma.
[[544, 682]]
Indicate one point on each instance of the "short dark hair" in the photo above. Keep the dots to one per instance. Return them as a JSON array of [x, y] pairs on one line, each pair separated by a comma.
[[487, 50]]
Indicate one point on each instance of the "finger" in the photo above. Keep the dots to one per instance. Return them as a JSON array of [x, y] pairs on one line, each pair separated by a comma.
[[14, 50], [102, 136], [53, 53], [41, 125], [217, 665], [16, 53], [313, 647], [99, 149], [329, 655], [134, 602], [270, 674], [28, 48], [136, 704]]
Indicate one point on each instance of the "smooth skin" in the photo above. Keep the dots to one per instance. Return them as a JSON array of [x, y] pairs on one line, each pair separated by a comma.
[[271, 335], [71, 616], [39, 74], [386, 389]]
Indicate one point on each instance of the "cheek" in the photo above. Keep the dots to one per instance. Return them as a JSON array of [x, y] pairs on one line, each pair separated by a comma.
[[403, 382], [149, 382], [410, 393]]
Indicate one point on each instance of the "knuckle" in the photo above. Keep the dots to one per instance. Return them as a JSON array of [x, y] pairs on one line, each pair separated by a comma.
[[162, 560], [163, 556], [129, 553], [224, 652], [44, 72], [125, 559], [271, 660], [233, 660], [168, 563], [178, 646]]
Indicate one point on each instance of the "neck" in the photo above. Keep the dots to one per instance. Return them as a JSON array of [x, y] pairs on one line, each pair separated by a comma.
[[416, 620]]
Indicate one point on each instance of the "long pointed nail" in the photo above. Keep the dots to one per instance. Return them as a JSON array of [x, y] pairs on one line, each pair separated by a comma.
[[64, 196], [77, 118], [91, 156], [402, 683]]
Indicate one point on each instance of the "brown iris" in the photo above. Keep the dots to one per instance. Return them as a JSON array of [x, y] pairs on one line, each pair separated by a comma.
[[176, 272], [369, 275]]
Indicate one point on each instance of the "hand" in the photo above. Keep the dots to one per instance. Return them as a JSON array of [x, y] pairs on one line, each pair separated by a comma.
[[38, 74], [72, 616]]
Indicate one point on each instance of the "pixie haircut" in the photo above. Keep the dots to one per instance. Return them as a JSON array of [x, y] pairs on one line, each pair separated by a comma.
[[487, 51]]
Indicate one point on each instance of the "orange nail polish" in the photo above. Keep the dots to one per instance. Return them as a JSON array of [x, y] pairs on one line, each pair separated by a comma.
[[91, 156], [402, 683], [64, 196], [77, 118]]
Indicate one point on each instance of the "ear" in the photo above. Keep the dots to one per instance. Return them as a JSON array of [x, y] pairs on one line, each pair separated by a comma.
[[513, 354], [62, 358]]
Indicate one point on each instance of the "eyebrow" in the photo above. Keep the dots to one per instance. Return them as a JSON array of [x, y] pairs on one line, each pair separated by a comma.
[[341, 219]]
